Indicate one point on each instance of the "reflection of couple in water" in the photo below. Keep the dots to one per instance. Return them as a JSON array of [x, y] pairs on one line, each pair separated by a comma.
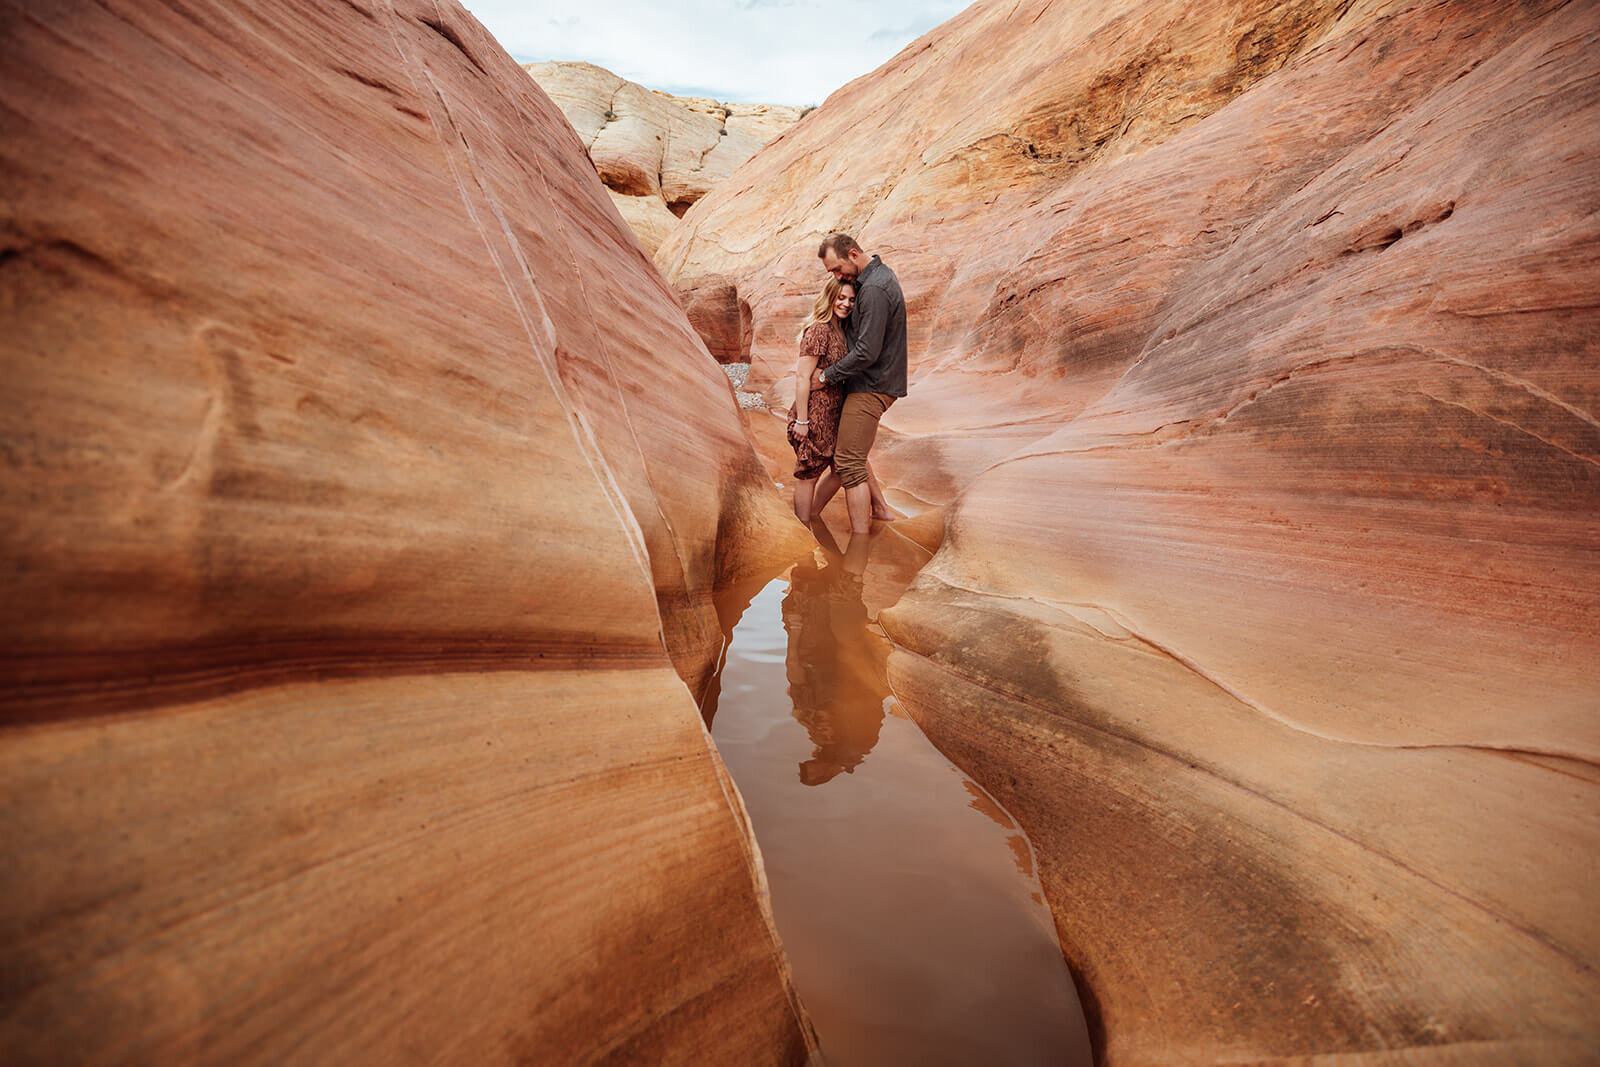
[[852, 366], [835, 665]]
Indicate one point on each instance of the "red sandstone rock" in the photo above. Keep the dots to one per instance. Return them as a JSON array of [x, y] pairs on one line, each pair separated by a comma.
[[720, 318], [1254, 349], [657, 153], [364, 487]]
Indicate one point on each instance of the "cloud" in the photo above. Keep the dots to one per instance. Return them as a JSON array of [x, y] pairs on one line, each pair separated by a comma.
[[899, 36], [751, 51]]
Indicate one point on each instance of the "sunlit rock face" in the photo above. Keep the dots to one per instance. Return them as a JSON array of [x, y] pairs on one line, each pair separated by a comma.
[[1254, 351], [364, 492], [657, 153]]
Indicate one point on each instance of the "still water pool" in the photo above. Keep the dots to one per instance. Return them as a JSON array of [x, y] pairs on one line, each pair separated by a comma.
[[905, 896]]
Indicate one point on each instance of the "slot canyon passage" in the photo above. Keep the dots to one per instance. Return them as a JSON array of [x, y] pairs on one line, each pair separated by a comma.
[[377, 519]]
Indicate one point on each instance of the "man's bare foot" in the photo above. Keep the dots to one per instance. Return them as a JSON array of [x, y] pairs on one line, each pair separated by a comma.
[[883, 515]]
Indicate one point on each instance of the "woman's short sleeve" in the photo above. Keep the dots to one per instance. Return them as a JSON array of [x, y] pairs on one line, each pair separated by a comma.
[[814, 342]]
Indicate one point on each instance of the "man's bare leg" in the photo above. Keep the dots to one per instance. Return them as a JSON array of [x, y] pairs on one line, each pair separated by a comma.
[[858, 498], [880, 506]]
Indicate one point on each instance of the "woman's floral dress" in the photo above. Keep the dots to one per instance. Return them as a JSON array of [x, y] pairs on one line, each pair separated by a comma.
[[813, 453]]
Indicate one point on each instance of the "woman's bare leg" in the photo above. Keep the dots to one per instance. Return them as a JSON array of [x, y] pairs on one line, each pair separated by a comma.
[[826, 485], [805, 508]]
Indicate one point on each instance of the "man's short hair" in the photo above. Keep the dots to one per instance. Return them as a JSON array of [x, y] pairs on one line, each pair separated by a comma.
[[841, 244]]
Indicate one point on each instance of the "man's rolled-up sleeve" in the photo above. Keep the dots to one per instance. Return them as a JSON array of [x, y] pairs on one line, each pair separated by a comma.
[[871, 321]]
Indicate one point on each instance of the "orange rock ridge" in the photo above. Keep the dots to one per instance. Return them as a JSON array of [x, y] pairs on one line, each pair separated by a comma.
[[365, 492], [1254, 354]]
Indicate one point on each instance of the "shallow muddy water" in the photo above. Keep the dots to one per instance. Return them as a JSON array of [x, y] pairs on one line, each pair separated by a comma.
[[905, 896]]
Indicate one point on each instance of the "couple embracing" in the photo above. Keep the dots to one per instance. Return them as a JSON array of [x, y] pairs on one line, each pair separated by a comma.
[[852, 367]]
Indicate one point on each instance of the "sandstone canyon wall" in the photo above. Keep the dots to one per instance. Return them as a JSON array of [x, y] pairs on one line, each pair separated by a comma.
[[364, 492], [657, 153], [1254, 359]]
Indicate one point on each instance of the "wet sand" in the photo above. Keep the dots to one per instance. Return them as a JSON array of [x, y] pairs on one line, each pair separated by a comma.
[[905, 896]]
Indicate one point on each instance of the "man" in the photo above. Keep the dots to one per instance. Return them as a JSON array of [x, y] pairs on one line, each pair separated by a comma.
[[873, 372]]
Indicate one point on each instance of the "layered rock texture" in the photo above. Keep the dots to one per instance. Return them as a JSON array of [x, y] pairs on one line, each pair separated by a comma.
[[365, 489], [1255, 357], [657, 153]]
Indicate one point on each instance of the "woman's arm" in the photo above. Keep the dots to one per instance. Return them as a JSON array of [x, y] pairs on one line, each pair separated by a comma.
[[813, 343], [803, 374]]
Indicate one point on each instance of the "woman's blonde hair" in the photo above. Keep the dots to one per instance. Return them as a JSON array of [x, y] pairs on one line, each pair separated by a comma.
[[822, 310]]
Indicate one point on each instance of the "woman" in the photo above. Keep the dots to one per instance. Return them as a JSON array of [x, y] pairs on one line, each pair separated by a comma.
[[814, 420]]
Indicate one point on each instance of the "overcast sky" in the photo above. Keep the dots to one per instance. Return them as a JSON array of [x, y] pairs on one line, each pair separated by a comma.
[[749, 51]]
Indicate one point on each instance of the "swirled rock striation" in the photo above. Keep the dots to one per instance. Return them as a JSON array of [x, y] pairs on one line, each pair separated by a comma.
[[1254, 358], [364, 491]]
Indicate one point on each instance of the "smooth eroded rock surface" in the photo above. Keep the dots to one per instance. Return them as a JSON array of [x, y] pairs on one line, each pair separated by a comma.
[[1254, 354], [657, 153], [720, 317], [365, 489]]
